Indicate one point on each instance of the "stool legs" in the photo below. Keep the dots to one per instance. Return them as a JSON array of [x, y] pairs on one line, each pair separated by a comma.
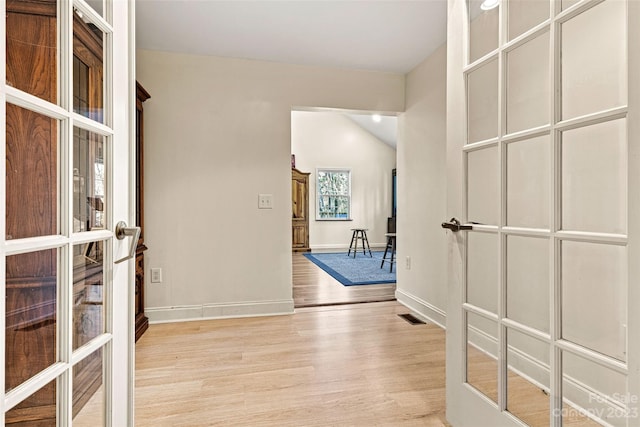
[[359, 234], [391, 245]]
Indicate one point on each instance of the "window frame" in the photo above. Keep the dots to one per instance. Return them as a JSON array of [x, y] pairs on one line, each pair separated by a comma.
[[318, 215]]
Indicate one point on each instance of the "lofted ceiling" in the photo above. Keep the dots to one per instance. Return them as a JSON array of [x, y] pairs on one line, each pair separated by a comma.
[[376, 35]]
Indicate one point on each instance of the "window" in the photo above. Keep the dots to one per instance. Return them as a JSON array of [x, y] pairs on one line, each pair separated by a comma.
[[333, 191]]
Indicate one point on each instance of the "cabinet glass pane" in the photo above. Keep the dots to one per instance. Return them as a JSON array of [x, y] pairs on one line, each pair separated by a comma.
[[89, 181], [528, 172], [483, 186], [594, 296], [37, 410], [483, 102], [88, 289], [31, 47], [88, 391], [528, 379], [482, 271], [32, 174], [483, 30], [594, 60], [31, 315], [526, 14], [594, 178], [528, 281], [97, 5], [482, 350], [592, 388], [88, 69], [528, 85]]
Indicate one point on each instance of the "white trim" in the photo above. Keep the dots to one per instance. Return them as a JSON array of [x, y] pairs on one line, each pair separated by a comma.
[[188, 313], [344, 246], [423, 308]]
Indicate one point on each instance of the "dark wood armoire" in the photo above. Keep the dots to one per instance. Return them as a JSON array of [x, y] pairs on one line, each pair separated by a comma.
[[300, 208]]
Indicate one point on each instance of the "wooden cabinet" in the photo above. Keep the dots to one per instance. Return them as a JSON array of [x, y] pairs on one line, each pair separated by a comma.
[[142, 322], [300, 205]]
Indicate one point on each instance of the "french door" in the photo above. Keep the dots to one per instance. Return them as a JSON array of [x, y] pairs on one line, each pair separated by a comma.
[[66, 105], [543, 325]]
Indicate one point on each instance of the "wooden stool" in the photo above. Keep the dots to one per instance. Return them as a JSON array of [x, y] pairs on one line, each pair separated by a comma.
[[391, 247], [359, 234]]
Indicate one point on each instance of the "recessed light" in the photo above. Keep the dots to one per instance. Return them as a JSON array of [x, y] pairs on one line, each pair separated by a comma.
[[489, 4], [376, 118]]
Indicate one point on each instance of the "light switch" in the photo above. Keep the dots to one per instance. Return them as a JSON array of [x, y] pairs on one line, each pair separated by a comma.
[[265, 201]]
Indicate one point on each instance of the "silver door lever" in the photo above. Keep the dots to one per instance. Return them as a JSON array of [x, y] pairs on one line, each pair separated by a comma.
[[121, 232]]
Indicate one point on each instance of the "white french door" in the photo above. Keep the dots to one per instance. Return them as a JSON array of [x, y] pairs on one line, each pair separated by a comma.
[[67, 104], [543, 161]]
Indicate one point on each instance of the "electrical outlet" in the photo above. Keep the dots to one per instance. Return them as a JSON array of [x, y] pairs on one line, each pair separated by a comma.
[[408, 263], [156, 275], [265, 201]]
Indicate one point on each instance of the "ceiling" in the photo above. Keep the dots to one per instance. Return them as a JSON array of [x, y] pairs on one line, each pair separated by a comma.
[[376, 35]]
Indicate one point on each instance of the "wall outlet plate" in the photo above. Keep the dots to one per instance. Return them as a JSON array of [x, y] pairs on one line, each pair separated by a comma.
[[156, 275], [265, 201]]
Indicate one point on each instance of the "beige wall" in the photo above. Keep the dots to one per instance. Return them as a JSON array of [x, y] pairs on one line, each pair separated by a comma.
[[422, 190], [217, 134], [332, 140]]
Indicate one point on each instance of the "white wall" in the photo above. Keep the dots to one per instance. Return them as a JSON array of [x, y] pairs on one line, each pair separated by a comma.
[[422, 194], [332, 140], [217, 134]]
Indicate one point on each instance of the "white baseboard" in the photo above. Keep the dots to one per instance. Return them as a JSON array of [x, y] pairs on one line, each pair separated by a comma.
[[345, 247], [218, 311], [422, 308]]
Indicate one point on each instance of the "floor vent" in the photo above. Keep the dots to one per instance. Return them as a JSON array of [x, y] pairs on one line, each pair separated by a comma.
[[411, 319]]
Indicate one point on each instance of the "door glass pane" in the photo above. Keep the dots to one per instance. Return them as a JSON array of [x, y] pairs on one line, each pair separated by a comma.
[[594, 280], [528, 175], [97, 5], [37, 410], [528, 281], [32, 174], [482, 350], [594, 60], [528, 85], [89, 181], [483, 102], [483, 186], [88, 74], [88, 287], [32, 48], [482, 271], [88, 391], [592, 389], [526, 14], [594, 178], [483, 29], [31, 315], [528, 379]]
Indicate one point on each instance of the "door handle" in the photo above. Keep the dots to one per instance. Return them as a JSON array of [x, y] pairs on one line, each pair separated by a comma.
[[454, 225], [123, 231]]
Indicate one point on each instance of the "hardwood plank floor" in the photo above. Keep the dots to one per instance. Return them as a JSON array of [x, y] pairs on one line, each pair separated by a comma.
[[346, 365], [312, 286]]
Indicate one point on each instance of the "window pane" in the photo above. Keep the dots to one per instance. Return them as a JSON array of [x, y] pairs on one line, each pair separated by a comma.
[[88, 391], [483, 102], [88, 280], [483, 30], [88, 74], [89, 181], [482, 351], [482, 271], [526, 14], [334, 194], [594, 60], [483, 186], [32, 64], [32, 174], [31, 315], [37, 410]]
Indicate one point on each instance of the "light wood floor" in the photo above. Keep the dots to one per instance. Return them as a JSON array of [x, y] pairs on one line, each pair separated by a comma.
[[312, 287], [346, 365]]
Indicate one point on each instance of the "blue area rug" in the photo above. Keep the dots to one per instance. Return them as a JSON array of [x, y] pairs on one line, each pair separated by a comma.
[[362, 270]]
